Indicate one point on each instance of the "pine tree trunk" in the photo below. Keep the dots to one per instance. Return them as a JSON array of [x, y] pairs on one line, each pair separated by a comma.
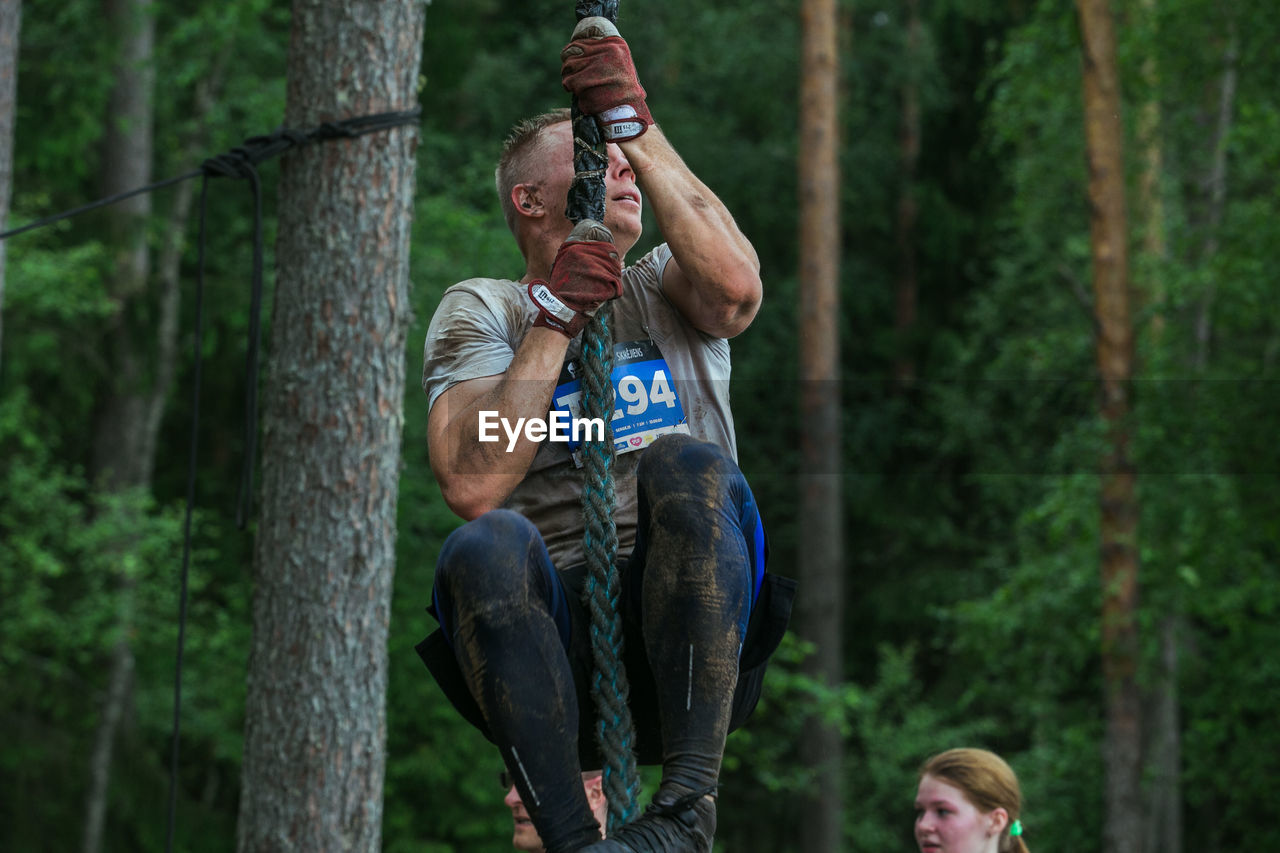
[[10, 28], [315, 727], [1164, 828], [119, 688], [820, 605], [124, 452], [125, 428], [1122, 832]]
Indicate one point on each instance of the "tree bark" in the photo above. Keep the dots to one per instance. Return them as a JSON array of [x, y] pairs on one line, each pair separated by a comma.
[[124, 429], [119, 688], [10, 28], [315, 725], [124, 452], [1164, 826], [820, 606], [1122, 832], [908, 210]]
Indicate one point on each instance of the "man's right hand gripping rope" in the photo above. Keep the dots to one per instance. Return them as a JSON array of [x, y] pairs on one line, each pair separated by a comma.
[[586, 273]]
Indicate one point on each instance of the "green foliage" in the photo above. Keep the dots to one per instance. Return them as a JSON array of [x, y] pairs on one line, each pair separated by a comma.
[[67, 591], [890, 727], [63, 85]]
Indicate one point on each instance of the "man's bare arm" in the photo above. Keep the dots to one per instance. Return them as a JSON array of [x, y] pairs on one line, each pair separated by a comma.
[[476, 476], [715, 278]]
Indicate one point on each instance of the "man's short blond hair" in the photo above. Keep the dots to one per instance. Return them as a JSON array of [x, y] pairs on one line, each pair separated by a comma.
[[524, 148]]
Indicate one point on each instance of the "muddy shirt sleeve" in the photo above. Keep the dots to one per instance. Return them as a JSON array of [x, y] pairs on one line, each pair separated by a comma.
[[646, 274], [470, 336]]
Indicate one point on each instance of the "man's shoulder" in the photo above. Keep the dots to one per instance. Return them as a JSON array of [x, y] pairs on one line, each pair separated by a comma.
[[501, 299], [488, 308], [484, 288], [648, 270], [475, 330]]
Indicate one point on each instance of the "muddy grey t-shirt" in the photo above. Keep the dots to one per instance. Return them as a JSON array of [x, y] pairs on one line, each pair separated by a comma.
[[668, 376]]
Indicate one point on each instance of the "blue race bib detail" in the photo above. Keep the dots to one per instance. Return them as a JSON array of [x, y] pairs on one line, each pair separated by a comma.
[[645, 401]]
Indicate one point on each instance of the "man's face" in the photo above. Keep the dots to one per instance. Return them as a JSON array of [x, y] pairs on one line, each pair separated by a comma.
[[622, 197], [524, 837]]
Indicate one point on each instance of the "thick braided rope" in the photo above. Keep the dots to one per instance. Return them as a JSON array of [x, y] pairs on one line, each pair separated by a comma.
[[610, 690]]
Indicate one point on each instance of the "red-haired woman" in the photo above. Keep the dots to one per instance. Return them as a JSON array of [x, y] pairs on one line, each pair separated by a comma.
[[968, 801]]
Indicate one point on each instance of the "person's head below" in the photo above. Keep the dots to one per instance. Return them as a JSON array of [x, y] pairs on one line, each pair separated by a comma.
[[968, 801], [533, 177], [524, 837]]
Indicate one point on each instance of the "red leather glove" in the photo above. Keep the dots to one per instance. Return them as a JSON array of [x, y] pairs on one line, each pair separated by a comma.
[[586, 273], [596, 67]]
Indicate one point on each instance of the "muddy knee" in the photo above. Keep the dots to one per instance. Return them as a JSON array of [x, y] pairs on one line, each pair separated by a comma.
[[487, 556], [681, 463]]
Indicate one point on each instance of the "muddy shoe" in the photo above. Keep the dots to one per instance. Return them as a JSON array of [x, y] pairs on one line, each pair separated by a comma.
[[680, 820]]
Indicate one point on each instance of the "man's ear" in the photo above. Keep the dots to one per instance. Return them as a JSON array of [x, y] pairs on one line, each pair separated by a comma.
[[595, 790], [527, 199]]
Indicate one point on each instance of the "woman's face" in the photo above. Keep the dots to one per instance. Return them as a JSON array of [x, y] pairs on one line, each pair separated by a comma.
[[946, 822]]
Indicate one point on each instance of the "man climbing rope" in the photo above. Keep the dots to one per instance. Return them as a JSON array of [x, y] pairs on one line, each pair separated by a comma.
[[700, 616]]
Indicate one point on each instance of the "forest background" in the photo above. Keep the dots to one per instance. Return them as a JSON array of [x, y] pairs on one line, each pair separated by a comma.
[[972, 604]]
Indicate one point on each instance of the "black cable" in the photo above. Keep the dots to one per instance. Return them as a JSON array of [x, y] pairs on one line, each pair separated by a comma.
[[198, 353], [57, 217], [235, 162]]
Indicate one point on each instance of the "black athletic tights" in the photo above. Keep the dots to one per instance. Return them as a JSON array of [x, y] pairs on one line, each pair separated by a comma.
[[687, 593]]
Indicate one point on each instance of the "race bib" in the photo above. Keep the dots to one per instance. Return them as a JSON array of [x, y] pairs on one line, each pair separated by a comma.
[[645, 401]]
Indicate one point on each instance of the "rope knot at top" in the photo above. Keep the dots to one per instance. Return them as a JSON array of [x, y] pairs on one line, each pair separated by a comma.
[[239, 162], [236, 163]]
